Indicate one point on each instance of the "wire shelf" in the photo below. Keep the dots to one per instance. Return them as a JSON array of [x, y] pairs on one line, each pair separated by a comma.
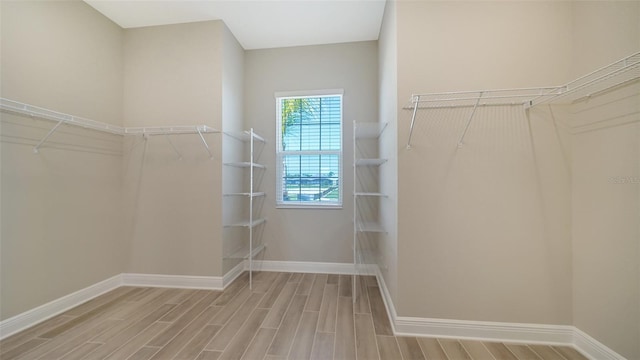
[[67, 119], [620, 73], [473, 98], [607, 78]]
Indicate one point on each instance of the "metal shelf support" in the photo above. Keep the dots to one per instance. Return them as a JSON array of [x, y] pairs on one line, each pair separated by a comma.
[[466, 128]]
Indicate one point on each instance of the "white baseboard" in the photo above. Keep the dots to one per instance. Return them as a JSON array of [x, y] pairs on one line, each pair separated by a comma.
[[233, 274], [592, 348], [386, 298], [174, 281], [43, 312], [485, 330], [495, 331], [304, 267]]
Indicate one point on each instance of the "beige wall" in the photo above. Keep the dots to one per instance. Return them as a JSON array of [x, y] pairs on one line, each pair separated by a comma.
[[483, 231], [173, 76], [388, 109], [605, 185], [303, 234], [60, 208]]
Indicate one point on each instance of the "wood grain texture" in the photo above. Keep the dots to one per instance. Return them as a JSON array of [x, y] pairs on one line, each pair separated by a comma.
[[199, 341], [328, 309], [546, 352], [284, 337], [284, 316], [137, 342], [388, 347], [362, 297], [431, 348], [366, 347], [258, 347], [314, 302], [345, 344], [379, 312], [409, 348], [303, 342], [323, 346], [500, 351], [523, 352], [476, 350], [569, 353], [226, 334], [238, 345], [454, 349]]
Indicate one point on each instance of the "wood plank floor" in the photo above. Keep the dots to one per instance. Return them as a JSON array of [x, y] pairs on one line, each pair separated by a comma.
[[285, 316]]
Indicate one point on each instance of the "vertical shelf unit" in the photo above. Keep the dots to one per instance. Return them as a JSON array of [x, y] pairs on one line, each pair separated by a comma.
[[365, 220], [252, 221]]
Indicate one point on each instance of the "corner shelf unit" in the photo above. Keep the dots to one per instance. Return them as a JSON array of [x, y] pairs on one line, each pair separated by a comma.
[[252, 250], [367, 131]]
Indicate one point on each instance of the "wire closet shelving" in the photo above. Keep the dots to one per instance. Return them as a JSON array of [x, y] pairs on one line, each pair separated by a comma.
[[66, 119], [607, 78], [251, 221]]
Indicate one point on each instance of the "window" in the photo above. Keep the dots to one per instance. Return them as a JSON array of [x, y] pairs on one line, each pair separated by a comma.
[[309, 150]]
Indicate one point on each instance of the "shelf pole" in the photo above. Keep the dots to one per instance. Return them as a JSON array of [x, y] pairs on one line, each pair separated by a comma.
[[464, 133], [251, 210], [355, 215], [416, 102], [37, 147]]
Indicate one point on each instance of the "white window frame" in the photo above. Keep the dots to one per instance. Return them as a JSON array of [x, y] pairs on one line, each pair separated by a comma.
[[279, 153]]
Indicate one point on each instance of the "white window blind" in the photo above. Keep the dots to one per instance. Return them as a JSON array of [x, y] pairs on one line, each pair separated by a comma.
[[309, 151]]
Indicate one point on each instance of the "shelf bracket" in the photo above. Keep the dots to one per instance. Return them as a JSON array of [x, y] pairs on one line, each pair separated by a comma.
[[204, 142], [173, 146], [464, 133], [37, 147], [416, 102]]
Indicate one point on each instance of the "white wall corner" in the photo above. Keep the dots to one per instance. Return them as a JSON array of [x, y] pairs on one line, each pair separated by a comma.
[[386, 298], [43, 312], [592, 348], [233, 274], [174, 281]]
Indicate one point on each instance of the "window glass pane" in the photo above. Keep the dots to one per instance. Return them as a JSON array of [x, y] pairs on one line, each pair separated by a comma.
[[311, 178], [312, 125]]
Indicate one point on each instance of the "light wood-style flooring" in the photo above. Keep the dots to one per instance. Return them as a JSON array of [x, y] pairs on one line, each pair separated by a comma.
[[285, 316]]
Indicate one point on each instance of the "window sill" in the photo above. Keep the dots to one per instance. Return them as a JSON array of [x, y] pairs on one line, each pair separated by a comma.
[[309, 207]]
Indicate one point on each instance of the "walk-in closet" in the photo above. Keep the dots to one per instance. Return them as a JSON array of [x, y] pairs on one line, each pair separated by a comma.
[[366, 179]]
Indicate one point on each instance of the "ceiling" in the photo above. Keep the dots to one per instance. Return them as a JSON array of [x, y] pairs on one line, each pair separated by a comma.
[[259, 24]]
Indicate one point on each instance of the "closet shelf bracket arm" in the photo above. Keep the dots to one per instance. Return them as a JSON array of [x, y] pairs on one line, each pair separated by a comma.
[[416, 102], [204, 142], [464, 133], [173, 146], [37, 147]]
